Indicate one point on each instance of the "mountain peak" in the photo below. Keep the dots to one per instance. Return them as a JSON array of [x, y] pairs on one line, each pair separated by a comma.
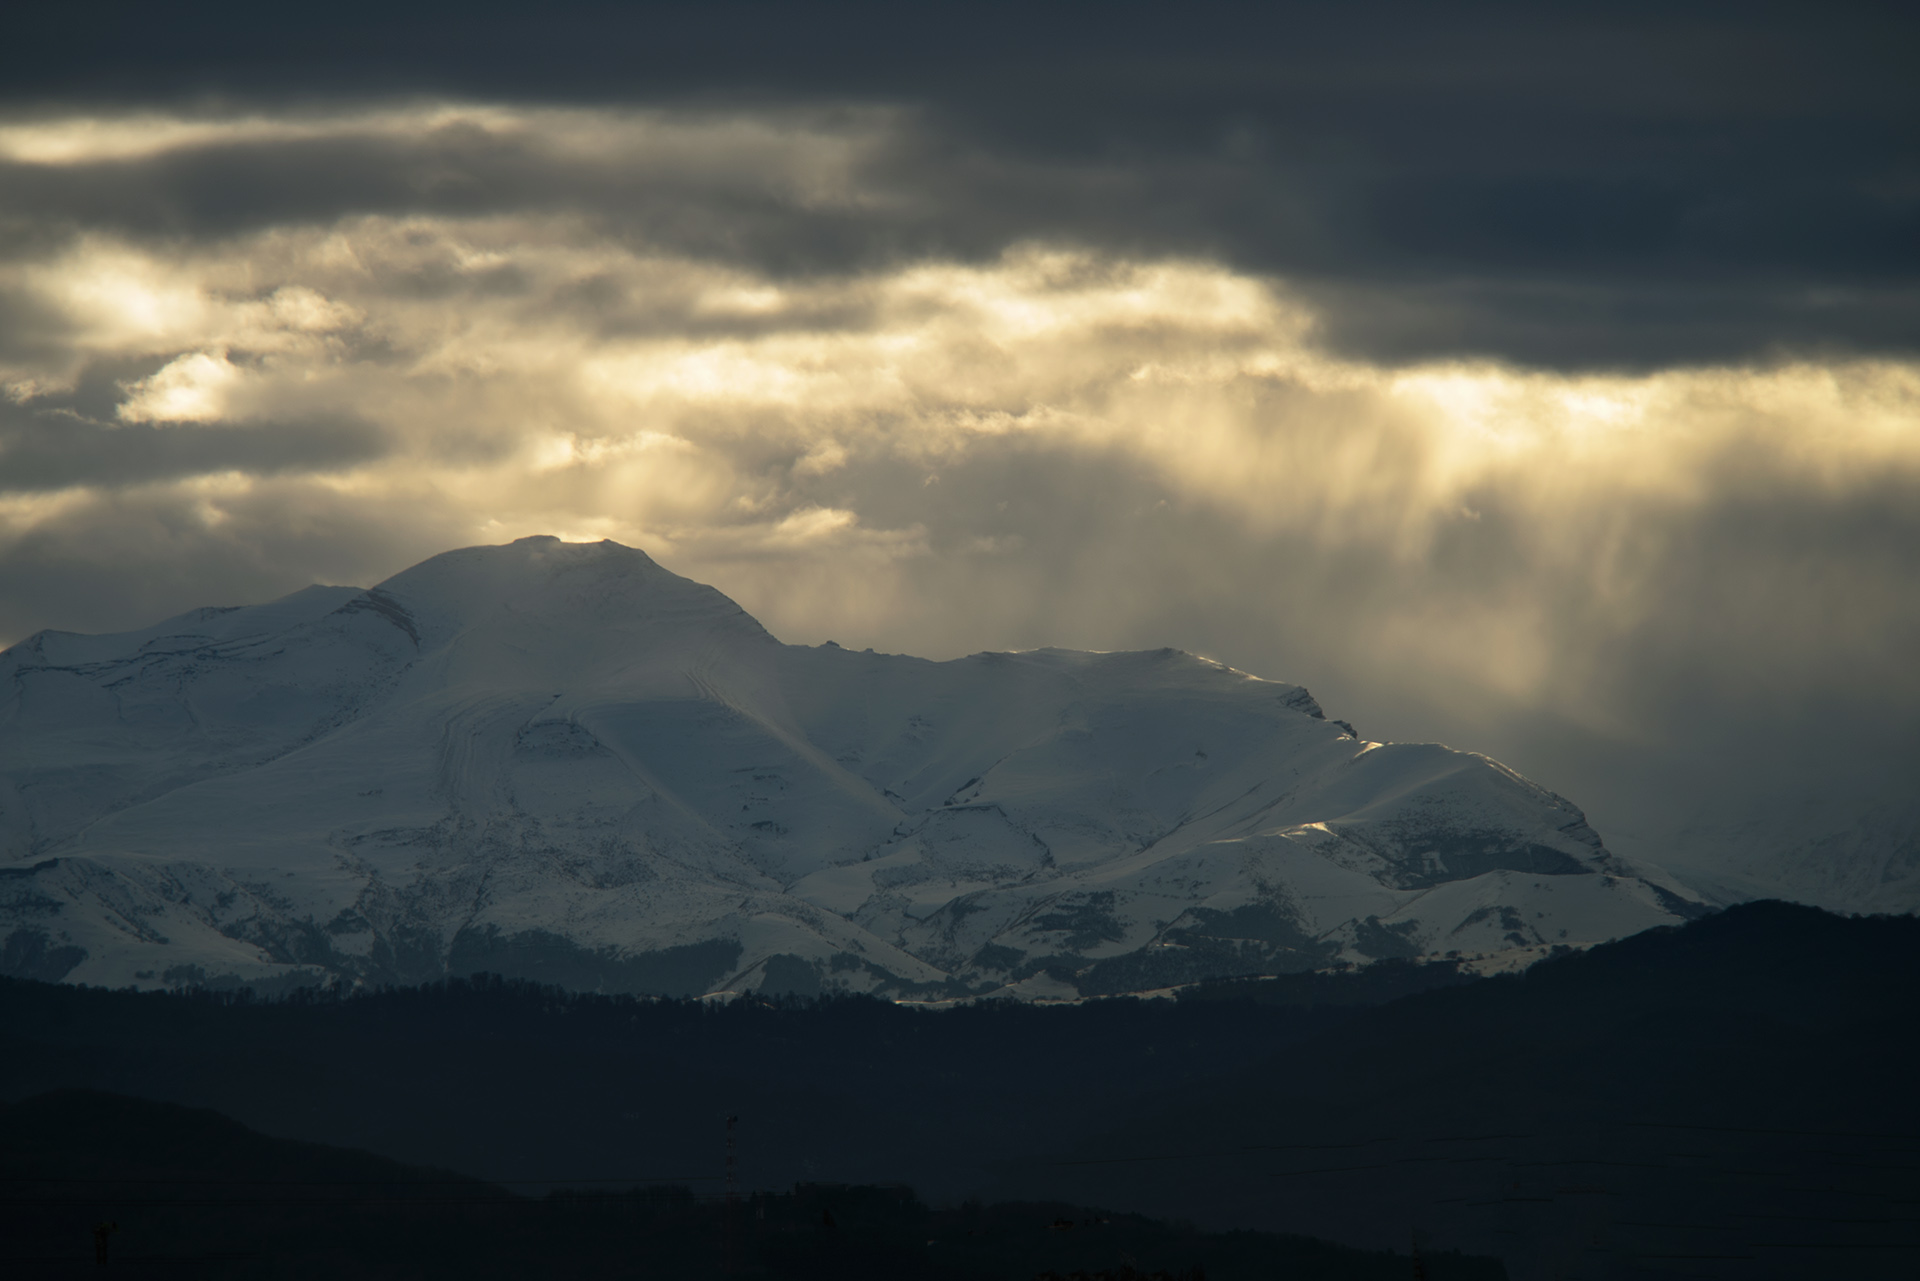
[[561, 760], [531, 558], [603, 585]]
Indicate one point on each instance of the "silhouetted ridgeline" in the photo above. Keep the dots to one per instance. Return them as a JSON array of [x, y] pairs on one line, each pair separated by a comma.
[[185, 1192], [510, 1080], [1376, 984], [1734, 1098], [1737, 1091]]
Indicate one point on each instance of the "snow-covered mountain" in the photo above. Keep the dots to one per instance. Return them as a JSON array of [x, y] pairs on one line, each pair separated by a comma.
[[1851, 846], [562, 761]]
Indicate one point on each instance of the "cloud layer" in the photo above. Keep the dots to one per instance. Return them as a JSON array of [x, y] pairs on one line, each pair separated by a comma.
[[247, 352], [1624, 186]]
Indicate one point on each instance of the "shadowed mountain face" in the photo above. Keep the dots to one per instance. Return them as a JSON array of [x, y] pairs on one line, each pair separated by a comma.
[[561, 761]]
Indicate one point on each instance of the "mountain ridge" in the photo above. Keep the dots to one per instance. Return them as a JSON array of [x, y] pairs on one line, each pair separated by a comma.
[[548, 758]]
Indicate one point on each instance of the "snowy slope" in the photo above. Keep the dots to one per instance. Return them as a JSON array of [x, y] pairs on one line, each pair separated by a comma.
[[565, 762], [1850, 846]]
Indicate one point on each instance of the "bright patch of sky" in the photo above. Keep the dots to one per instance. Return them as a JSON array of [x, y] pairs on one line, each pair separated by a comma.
[[1050, 443]]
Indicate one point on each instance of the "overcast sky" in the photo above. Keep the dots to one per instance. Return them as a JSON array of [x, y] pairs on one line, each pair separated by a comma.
[[1539, 380]]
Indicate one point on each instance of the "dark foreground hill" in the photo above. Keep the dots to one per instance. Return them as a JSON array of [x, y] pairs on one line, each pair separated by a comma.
[[532, 1086], [1731, 1098], [101, 1184]]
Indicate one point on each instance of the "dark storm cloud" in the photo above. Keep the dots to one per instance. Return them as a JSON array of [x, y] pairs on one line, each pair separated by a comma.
[[1544, 179], [29, 328], [45, 450], [1577, 323], [726, 207], [1569, 275]]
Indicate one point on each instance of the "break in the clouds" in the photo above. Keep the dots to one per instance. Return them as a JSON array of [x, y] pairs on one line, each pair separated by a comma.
[[935, 401]]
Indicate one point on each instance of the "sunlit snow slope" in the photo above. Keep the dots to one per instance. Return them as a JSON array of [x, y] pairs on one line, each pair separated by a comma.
[[561, 761]]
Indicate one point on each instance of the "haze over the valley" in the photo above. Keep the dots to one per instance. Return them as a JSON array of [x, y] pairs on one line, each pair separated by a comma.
[[1546, 390]]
